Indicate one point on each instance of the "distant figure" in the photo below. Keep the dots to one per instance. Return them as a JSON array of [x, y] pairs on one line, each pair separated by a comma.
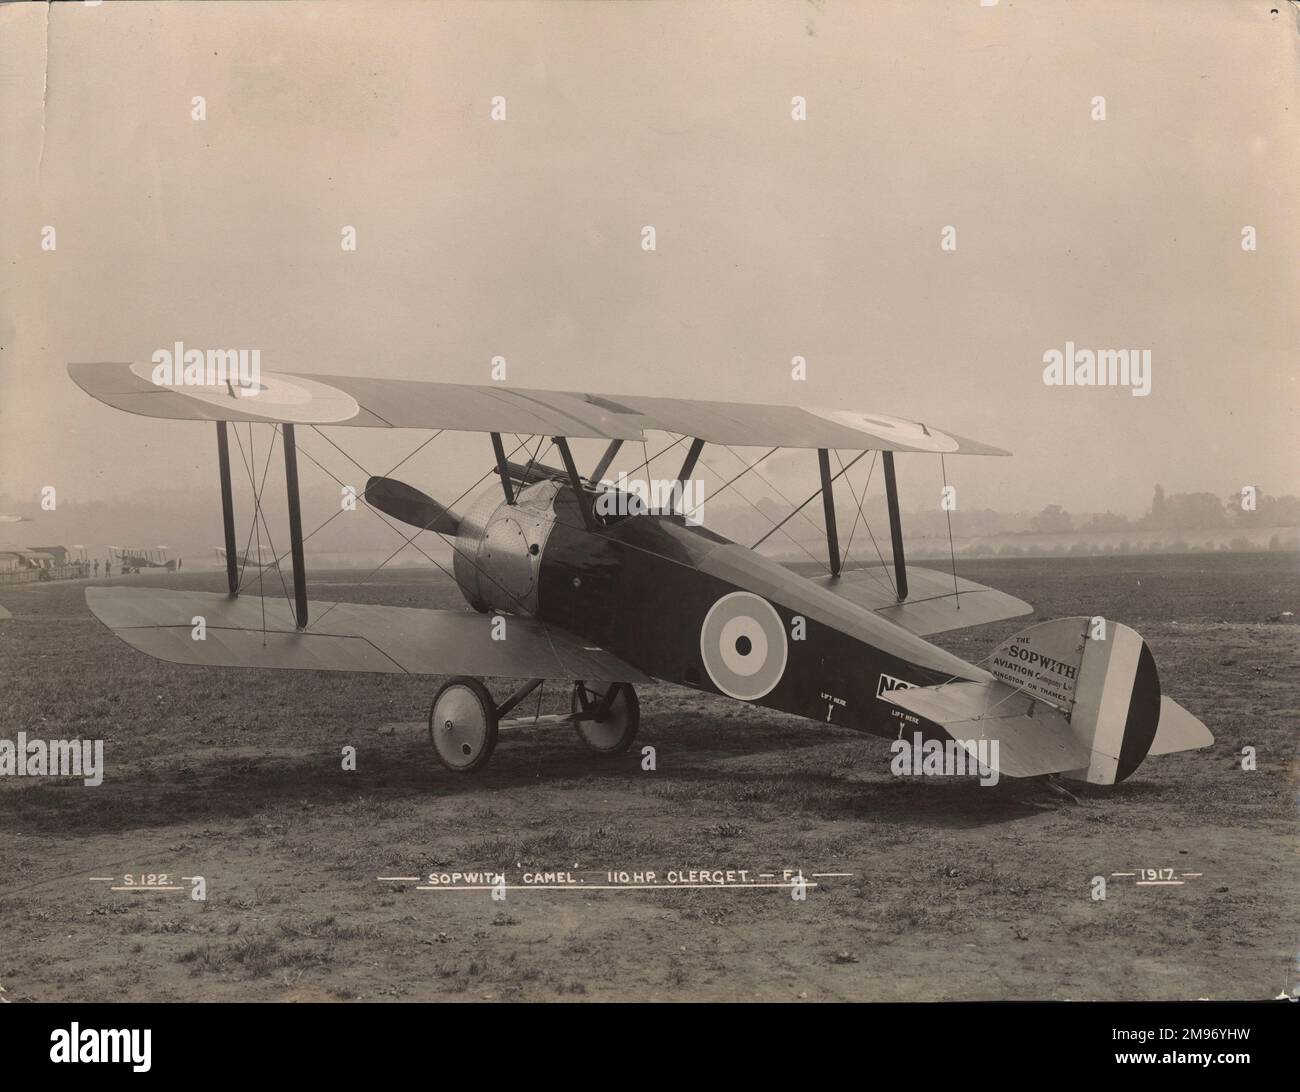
[[108, 568], [179, 562], [96, 566]]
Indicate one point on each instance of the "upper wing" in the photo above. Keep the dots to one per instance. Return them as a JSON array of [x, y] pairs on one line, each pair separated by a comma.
[[932, 606], [404, 403], [346, 637]]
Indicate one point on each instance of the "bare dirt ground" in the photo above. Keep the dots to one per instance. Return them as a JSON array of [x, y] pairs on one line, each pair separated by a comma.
[[956, 890]]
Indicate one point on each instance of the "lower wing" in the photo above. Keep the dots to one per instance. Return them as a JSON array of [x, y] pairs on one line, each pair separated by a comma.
[[252, 632], [937, 602]]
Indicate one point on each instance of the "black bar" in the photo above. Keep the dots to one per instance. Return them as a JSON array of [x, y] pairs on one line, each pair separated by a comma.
[[227, 508], [1087, 1030], [828, 507], [506, 485], [295, 525], [579, 493], [895, 525], [606, 460]]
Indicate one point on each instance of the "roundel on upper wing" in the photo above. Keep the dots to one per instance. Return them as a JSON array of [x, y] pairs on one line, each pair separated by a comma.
[[743, 645], [277, 397], [893, 429]]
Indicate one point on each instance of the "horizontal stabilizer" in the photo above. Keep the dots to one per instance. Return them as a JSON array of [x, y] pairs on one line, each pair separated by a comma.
[[1178, 730], [346, 637], [932, 605], [1033, 738]]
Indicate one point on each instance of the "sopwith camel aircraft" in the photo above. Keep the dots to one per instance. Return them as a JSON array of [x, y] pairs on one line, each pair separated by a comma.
[[560, 590]]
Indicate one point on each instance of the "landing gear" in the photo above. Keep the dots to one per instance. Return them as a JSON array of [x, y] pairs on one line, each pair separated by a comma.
[[464, 719], [606, 720], [463, 724]]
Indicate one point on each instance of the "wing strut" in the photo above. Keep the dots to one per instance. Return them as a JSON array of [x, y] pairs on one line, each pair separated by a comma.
[[895, 524], [828, 508], [227, 508], [295, 525], [692, 457], [579, 493], [688, 468], [507, 486], [605, 460]]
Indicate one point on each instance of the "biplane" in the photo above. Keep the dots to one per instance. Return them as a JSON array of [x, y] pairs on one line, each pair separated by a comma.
[[248, 560], [131, 559], [604, 603]]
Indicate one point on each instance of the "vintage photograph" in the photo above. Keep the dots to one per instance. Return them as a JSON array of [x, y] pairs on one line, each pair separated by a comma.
[[619, 502]]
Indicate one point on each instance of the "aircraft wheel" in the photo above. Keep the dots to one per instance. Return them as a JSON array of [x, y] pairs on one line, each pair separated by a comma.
[[463, 724], [613, 733]]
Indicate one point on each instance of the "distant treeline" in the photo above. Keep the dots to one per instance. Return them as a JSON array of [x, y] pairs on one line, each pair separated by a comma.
[[931, 548], [1168, 512]]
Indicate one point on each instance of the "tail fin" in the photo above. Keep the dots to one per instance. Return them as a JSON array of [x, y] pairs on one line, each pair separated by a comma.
[[1077, 696]]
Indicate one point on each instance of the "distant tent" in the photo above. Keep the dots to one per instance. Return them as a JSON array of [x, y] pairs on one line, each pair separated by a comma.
[[58, 553]]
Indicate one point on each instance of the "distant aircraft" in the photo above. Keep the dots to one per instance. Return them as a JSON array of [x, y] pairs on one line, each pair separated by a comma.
[[15, 519], [131, 559], [248, 560], [565, 591]]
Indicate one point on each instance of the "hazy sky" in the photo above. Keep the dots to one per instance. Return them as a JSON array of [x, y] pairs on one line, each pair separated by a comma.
[[775, 238]]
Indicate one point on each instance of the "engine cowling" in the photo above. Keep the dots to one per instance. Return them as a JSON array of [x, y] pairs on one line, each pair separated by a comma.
[[499, 548]]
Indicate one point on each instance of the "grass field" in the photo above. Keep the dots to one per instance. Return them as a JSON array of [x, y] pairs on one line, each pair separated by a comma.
[[955, 890]]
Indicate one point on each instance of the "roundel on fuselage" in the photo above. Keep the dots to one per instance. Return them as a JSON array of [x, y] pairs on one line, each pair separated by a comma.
[[743, 645]]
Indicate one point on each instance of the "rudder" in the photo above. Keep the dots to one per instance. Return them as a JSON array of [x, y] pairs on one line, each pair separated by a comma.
[[1102, 675]]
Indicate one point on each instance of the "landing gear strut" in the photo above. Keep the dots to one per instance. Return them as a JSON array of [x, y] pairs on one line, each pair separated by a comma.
[[464, 719], [606, 720]]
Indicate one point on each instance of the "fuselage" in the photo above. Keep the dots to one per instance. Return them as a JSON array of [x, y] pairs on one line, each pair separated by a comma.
[[690, 607]]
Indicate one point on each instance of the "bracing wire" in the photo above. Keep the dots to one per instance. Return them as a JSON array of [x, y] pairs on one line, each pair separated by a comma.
[[952, 550]]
